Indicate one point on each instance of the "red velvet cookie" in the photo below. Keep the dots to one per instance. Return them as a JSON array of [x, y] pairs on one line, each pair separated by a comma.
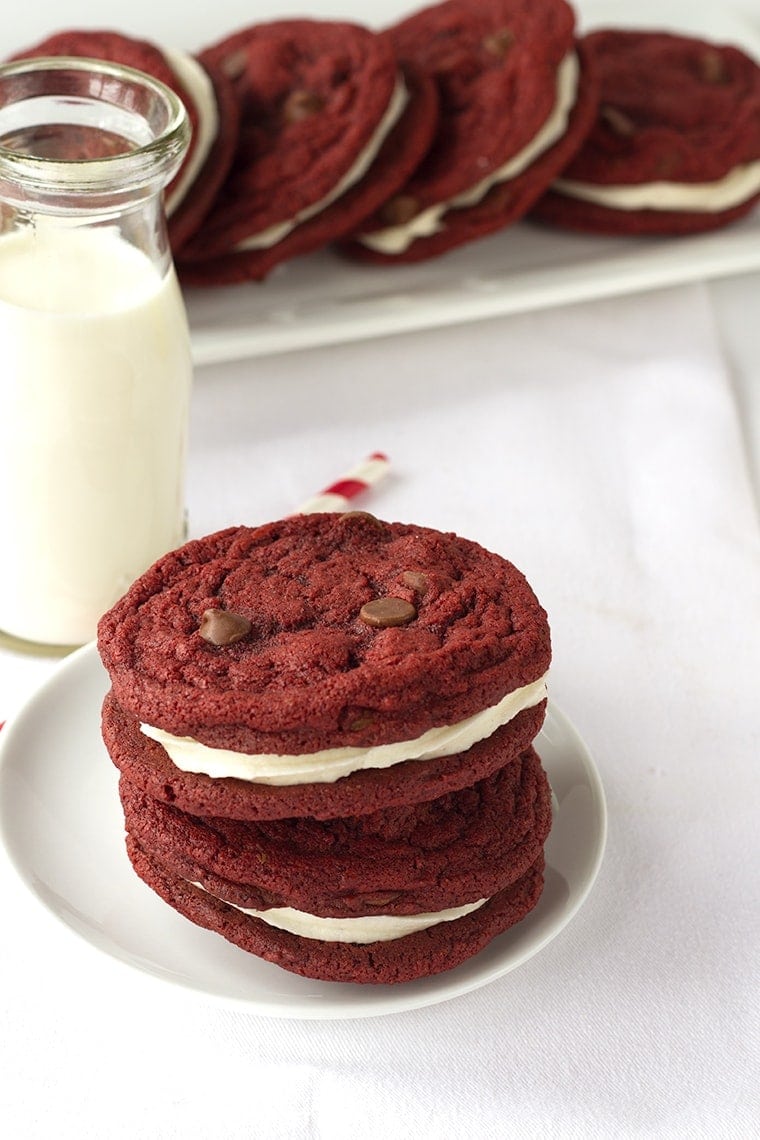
[[331, 127], [148, 767], [209, 99], [348, 631], [517, 100], [440, 947], [460, 847], [677, 130]]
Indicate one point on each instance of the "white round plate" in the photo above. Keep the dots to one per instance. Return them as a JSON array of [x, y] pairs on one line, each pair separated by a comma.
[[61, 824]]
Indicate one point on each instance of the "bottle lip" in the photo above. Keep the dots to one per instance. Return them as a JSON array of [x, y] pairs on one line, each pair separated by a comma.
[[143, 164]]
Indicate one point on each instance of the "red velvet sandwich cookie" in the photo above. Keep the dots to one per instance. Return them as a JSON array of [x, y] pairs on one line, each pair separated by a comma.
[[331, 127], [209, 99], [428, 857], [447, 943], [322, 650], [676, 144], [147, 765], [517, 99]]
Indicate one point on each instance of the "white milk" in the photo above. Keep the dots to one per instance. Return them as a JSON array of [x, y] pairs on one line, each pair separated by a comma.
[[94, 391]]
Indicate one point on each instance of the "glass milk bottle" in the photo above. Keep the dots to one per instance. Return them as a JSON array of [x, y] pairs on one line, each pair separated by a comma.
[[94, 350]]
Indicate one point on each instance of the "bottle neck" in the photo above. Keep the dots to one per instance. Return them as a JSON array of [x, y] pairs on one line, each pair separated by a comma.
[[140, 223]]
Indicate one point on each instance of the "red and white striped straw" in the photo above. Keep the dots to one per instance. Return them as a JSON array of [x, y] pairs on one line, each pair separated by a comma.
[[339, 494]]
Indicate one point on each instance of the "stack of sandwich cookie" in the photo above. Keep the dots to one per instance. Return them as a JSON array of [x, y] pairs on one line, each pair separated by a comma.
[[676, 144], [324, 731], [208, 97]]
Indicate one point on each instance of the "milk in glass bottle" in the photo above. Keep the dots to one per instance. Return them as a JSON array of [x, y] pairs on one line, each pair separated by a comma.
[[95, 366]]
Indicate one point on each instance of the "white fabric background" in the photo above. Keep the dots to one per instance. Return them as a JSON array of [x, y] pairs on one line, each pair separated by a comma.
[[599, 447]]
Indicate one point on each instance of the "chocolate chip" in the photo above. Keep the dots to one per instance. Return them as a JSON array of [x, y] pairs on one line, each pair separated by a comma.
[[223, 627], [499, 43], [348, 517], [360, 722], [380, 900], [416, 581], [385, 612], [617, 121], [399, 210], [712, 67], [234, 65], [302, 105], [497, 201]]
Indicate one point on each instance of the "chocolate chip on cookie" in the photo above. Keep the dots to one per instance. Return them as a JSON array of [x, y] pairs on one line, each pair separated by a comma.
[[222, 627], [383, 613]]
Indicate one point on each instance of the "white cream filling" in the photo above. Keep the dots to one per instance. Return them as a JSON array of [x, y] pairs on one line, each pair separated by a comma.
[[368, 928], [396, 239], [692, 197], [195, 79], [270, 236], [331, 764]]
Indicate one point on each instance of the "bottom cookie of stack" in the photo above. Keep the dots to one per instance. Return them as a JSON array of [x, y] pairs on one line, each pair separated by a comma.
[[386, 897]]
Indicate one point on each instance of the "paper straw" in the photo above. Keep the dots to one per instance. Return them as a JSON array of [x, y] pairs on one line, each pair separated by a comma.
[[339, 494]]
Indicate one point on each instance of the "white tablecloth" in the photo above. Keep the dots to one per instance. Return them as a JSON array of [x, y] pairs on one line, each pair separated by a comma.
[[601, 448]]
